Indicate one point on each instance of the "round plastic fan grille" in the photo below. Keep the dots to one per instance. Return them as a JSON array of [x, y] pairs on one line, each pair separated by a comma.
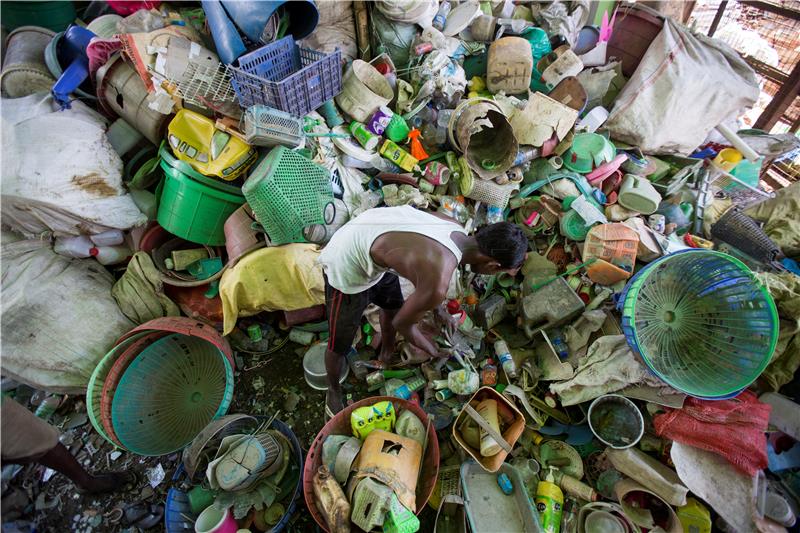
[[701, 322]]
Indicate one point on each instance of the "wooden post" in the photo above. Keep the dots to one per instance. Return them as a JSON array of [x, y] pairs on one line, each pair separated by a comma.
[[781, 101], [361, 16]]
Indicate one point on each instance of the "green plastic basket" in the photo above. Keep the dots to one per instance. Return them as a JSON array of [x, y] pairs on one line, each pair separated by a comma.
[[169, 393], [288, 192], [701, 321], [195, 211], [94, 389]]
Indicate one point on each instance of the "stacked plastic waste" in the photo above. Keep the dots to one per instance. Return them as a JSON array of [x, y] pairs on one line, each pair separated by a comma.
[[620, 381]]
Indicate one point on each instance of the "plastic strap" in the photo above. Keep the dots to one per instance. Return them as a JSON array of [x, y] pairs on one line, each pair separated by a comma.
[[484, 425]]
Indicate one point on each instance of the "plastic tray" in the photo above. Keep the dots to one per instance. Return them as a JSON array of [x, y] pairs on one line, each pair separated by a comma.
[[489, 509]]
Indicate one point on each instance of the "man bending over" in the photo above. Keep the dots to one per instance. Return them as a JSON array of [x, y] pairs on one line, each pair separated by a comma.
[[364, 258]]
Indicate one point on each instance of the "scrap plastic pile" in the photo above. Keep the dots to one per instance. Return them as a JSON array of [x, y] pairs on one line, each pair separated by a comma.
[[625, 379]]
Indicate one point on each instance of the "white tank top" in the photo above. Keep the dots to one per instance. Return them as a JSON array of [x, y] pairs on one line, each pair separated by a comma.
[[346, 258]]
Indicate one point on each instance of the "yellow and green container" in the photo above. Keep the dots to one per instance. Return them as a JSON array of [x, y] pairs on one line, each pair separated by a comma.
[[549, 504]]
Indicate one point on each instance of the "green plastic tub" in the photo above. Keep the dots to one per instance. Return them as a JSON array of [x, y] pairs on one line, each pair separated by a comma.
[[55, 15], [194, 211]]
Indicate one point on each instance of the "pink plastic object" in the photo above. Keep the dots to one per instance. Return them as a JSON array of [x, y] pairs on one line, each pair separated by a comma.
[[115, 374], [605, 170], [240, 237], [301, 316], [186, 326], [129, 7], [153, 237], [207, 522], [549, 145], [340, 425], [606, 27]]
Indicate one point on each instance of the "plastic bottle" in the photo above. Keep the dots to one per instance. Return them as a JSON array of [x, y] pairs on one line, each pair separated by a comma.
[[575, 487], [47, 407], [559, 346], [504, 356], [330, 500], [488, 410], [441, 15], [112, 237], [489, 374], [110, 255], [549, 504], [569, 518], [398, 389], [74, 246], [494, 214]]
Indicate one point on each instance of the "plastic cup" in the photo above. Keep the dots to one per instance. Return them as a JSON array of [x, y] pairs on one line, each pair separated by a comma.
[[212, 520]]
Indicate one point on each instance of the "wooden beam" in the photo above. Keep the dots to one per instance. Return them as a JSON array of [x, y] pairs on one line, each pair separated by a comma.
[[793, 14], [717, 17], [781, 101]]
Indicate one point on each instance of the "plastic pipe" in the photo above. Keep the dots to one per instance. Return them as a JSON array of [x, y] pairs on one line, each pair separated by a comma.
[[738, 143]]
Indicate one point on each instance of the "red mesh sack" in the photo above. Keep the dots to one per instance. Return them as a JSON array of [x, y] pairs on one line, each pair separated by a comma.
[[731, 428]]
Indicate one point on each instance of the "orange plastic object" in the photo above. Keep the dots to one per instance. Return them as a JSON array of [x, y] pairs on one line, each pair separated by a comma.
[[510, 417], [394, 461], [186, 326], [614, 246], [417, 151]]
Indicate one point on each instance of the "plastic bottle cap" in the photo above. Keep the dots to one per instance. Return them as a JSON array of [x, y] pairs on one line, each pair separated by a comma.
[[94, 252]]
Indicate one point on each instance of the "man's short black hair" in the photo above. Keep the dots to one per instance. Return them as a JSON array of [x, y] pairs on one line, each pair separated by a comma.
[[504, 242]]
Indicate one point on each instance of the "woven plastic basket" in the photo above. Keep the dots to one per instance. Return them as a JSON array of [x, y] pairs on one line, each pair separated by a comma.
[[742, 232], [288, 192], [284, 76], [701, 321]]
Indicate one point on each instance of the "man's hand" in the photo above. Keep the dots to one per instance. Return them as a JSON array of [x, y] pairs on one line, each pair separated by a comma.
[[415, 337], [450, 322]]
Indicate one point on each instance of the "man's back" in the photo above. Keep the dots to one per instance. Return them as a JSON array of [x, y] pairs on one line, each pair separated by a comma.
[[410, 242]]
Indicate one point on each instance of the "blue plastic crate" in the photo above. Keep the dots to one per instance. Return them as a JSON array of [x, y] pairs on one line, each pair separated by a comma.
[[284, 76]]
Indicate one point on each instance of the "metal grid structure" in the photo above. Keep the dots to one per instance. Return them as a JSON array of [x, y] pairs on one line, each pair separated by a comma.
[[767, 34], [206, 86]]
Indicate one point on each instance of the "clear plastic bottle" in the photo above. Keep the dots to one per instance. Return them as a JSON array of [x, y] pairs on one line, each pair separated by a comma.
[[504, 356], [441, 15], [110, 255], [397, 388], [494, 214], [112, 237], [80, 246]]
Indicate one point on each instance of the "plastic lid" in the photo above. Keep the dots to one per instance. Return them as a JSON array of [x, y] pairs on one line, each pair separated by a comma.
[[461, 17]]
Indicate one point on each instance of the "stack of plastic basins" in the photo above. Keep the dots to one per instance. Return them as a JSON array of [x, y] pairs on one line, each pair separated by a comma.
[[160, 385], [192, 206]]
